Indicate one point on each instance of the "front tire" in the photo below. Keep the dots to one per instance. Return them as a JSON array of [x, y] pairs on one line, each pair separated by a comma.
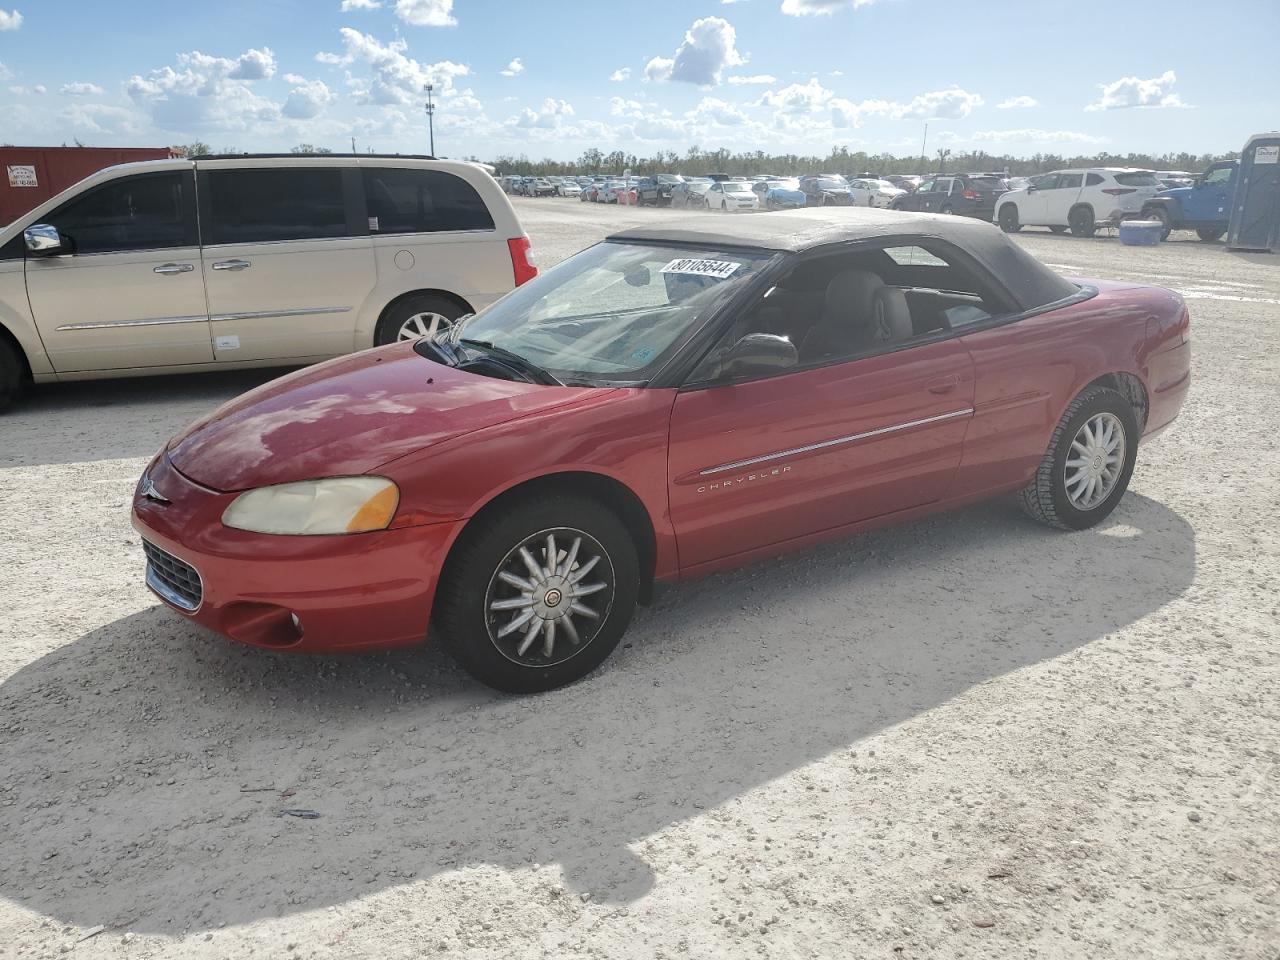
[[10, 374], [1087, 467], [418, 316], [1162, 215], [1009, 219], [538, 595], [1210, 235]]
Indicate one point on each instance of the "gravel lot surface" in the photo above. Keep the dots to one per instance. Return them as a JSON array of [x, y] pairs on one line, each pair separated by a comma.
[[964, 737]]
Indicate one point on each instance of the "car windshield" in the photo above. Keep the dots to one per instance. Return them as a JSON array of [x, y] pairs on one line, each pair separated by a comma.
[[615, 313], [737, 187], [785, 185], [827, 184]]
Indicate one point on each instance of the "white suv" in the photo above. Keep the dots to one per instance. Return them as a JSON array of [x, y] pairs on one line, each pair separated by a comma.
[[1077, 200], [174, 266]]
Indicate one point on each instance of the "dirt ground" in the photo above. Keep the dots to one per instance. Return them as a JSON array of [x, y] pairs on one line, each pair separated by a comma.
[[964, 737]]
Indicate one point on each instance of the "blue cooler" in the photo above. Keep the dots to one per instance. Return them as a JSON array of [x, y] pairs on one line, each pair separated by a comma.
[[1140, 233]]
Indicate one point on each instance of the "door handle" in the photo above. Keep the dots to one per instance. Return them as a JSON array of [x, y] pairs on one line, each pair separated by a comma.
[[943, 384], [173, 268], [232, 265]]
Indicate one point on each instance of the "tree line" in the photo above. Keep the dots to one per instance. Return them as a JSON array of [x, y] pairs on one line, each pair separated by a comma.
[[697, 162]]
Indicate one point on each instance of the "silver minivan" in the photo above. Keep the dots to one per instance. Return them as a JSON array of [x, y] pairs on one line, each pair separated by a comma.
[[173, 266]]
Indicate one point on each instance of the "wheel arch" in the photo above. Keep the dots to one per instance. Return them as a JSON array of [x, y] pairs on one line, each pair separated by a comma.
[[602, 488], [11, 339], [1129, 386], [1082, 205], [408, 294]]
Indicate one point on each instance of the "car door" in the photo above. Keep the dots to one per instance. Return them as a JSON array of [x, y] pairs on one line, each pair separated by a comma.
[[131, 293], [1034, 204], [918, 199], [1210, 198], [1064, 195], [762, 461], [287, 261]]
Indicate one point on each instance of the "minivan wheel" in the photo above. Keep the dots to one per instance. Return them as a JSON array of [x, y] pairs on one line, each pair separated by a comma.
[[1081, 222], [1009, 219], [415, 317], [1087, 467], [538, 595], [10, 374]]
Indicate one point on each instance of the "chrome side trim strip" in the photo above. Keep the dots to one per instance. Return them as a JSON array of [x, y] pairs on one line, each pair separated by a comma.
[[153, 322], [739, 464], [268, 314]]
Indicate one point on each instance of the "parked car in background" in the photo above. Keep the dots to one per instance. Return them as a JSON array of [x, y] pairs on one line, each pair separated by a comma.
[[588, 194], [964, 195], [655, 189], [1078, 200], [515, 488], [283, 261], [779, 194], [907, 182], [567, 188], [1175, 178], [874, 193], [1204, 206], [610, 191], [540, 187], [690, 192], [826, 190], [731, 195]]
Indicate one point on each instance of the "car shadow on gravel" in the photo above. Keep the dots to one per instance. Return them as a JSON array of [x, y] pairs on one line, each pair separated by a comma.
[[147, 763]]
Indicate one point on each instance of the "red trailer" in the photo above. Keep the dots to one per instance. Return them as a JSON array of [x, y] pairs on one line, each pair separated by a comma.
[[31, 175]]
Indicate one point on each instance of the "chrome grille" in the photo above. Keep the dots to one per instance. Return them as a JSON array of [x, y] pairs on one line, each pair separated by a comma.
[[176, 581]]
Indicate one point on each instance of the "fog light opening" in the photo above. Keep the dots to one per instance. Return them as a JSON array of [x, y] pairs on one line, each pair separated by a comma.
[[297, 624]]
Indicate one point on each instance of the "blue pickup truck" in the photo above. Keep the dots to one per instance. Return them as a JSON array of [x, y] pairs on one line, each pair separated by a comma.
[[1204, 207]]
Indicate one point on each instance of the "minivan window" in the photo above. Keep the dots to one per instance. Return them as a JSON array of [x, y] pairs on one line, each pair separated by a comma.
[[147, 212], [276, 203]]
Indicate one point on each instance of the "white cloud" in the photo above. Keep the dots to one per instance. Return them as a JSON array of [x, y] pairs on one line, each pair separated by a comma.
[[307, 99], [81, 90], [550, 116], [10, 20], [621, 74], [426, 13], [709, 47], [207, 93], [395, 78], [39, 88], [620, 107], [514, 68], [715, 111], [1034, 135], [813, 8], [1133, 92], [754, 78], [5, 72], [951, 104], [100, 118], [349, 5], [1017, 103], [254, 65]]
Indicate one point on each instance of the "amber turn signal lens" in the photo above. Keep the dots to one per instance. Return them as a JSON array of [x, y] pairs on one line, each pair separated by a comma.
[[377, 511]]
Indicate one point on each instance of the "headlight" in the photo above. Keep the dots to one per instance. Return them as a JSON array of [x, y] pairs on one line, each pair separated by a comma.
[[314, 507]]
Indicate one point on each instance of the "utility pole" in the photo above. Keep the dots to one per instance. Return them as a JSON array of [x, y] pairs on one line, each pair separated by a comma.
[[353, 146], [431, 117], [924, 157]]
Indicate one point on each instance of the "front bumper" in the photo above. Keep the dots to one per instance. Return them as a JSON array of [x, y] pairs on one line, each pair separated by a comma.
[[360, 592]]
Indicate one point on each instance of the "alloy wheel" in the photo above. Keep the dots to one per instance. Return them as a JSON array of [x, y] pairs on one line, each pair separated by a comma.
[[423, 325], [549, 597], [1095, 461]]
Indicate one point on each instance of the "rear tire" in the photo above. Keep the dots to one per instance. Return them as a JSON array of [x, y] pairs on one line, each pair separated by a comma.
[[473, 582], [1209, 236], [1082, 223], [1058, 228], [1055, 496], [11, 381], [415, 317], [1009, 219]]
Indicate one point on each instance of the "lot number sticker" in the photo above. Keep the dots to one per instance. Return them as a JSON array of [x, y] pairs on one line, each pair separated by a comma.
[[720, 269], [1261, 155], [22, 175]]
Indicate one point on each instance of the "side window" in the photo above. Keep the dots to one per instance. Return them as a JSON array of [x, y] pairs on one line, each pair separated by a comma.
[[1046, 181], [404, 200], [1070, 181], [1092, 180], [148, 212], [1219, 176], [275, 203], [926, 187]]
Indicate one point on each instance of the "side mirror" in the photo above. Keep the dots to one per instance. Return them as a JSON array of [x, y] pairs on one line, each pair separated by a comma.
[[1032, 188], [42, 240], [758, 353]]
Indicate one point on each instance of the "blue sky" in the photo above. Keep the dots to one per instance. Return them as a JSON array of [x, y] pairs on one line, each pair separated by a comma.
[[552, 79]]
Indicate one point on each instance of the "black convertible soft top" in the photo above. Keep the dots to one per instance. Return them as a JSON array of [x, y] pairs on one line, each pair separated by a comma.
[[1030, 281]]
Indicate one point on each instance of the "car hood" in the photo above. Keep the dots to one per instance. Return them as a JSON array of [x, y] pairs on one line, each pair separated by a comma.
[[349, 416], [1175, 192]]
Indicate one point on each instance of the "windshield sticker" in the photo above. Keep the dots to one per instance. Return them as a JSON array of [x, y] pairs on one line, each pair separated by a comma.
[[644, 354], [720, 269]]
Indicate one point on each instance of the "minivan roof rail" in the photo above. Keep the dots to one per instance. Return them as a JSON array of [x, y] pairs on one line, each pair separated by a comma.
[[295, 156]]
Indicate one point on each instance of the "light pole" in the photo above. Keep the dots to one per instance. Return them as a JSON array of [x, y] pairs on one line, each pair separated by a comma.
[[431, 117]]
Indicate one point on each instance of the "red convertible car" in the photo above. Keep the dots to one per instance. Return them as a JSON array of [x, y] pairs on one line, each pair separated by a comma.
[[676, 399]]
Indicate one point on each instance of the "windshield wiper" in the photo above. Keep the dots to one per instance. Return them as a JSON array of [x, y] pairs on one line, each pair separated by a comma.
[[522, 364]]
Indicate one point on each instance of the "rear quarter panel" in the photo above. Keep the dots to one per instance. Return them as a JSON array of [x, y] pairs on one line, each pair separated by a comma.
[[1028, 371]]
